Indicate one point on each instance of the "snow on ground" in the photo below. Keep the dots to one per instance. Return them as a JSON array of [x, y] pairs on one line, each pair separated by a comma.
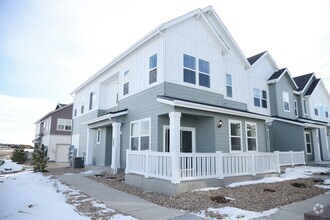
[[290, 174], [236, 213], [10, 166], [87, 172], [121, 217], [206, 189]]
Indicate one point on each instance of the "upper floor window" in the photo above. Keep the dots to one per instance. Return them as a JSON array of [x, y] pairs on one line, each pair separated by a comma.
[[260, 98], [91, 100], [326, 112], [229, 86], [98, 136], [64, 124], [295, 108], [316, 109], [75, 112], [82, 110], [189, 69], [251, 136], [204, 73], [305, 106], [235, 131], [286, 101], [153, 69], [140, 135], [126, 83]]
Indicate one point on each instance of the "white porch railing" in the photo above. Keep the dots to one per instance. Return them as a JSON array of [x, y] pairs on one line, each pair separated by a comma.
[[193, 166], [292, 158]]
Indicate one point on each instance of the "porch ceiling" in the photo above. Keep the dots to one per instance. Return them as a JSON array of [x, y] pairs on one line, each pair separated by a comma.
[[104, 120]]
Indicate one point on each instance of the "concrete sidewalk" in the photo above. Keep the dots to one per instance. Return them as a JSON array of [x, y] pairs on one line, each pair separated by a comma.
[[123, 202], [296, 210]]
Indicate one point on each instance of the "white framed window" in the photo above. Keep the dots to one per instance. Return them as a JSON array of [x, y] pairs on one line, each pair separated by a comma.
[[82, 110], [189, 69], [204, 73], [316, 109], [286, 101], [308, 142], [91, 100], [326, 111], [251, 136], [256, 95], [126, 83], [64, 124], [98, 136], [235, 135], [153, 69], [260, 98], [140, 134], [295, 108], [229, 86], [75, 112], [187, 139], [305, 106]]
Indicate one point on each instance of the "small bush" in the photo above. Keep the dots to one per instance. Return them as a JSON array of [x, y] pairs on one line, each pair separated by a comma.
[[39, 158], [18, 156]]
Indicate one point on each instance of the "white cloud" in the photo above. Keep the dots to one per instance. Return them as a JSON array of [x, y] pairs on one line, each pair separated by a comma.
[[17, 118]]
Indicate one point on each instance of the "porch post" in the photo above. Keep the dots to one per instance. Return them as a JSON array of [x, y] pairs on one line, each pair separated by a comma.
[[175, 124], [324, 143], [115, 160], [89, 149], [316, 145]]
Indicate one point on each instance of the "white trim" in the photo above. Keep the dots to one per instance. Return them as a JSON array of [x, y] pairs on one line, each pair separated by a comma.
[[203, 107], [241, 136], [304, 103], [98, 136], [104, 117], [139, 136], [295, 108], [263, 56], [193, 132], [279, 78], [246, 136], [311, 142], [285, 93]]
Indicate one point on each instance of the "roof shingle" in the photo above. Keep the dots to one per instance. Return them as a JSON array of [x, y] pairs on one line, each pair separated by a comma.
[[302, 81], [256, 57]]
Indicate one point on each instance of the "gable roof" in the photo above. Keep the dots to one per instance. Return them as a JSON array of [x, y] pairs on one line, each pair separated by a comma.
[[279, 74], [158, 30], [312, 87], [58, 108], [256, 57], [302, 81]]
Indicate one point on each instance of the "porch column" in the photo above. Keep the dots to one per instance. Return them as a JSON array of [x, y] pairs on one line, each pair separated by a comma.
[[316, 145], [89, 149], [324, 143], [115, 160], [175, 124]]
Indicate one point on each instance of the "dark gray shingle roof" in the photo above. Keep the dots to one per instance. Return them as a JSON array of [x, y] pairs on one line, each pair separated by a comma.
[[254, 58], [312, 87], [302, 81], [277, 74]]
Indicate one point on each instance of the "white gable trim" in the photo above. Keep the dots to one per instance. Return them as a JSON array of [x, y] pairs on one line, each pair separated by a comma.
[[266, 54], [279, 78]]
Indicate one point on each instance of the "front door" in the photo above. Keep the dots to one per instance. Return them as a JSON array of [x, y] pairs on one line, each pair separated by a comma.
[[308, 142], [187, 140]]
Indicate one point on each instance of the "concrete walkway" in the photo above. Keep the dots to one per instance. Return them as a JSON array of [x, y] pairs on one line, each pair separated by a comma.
[[123, 202], [296, 210]]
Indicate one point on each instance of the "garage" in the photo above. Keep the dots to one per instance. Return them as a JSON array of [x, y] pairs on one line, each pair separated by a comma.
[[62, 151]]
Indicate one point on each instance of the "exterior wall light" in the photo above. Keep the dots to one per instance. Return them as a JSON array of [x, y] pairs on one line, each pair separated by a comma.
[[219, 123]]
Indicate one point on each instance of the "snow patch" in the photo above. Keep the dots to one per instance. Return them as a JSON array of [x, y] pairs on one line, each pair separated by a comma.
[[206, 189], [121, 217], [10, 166], [236, 213], [68, 174], [323, 186], [87, 172]]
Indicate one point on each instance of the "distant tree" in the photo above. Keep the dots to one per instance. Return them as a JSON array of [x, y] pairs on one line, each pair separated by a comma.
[[39, 158], [18, 156]]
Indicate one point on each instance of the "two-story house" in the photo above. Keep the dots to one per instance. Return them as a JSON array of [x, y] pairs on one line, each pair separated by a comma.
[[181, 94], [54, 131]]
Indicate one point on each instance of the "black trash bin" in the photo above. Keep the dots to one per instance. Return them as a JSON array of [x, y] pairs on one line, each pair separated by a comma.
[[78, 162]]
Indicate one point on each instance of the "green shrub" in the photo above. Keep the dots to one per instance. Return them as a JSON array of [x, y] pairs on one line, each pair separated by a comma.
[[39, 158], [18, 156]]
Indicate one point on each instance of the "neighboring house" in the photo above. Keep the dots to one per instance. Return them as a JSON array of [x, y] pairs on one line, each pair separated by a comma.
[[186, 87], [54, 131]]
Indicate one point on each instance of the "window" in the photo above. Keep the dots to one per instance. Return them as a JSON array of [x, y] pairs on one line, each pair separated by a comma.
[[308, 142], [75, 112], [229, 86], [326, 112], [153, 69], [316, 109], [140, 135], [295, 108], [82, 110], [189, 69], [235, 135], [286, 101], [98, 136], [305, 106], [126, 83], [204, 73], [251, 136], [64, 124], [91, 100], [260, 98]]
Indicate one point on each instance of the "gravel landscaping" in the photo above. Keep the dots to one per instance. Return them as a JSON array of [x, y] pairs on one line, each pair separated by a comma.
[[256, 197]]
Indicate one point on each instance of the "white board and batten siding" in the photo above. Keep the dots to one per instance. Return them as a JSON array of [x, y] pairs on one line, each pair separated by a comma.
[[110, 82], [193, 37], [317, 98]]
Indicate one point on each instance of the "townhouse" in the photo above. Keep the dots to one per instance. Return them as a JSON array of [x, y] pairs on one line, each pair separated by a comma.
[[186, 88]]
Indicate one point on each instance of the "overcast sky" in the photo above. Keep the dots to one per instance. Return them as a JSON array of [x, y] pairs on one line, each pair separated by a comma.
[[48, 48]]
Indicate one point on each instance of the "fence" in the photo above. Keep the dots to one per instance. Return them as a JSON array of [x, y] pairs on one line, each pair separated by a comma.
[[193, 166]]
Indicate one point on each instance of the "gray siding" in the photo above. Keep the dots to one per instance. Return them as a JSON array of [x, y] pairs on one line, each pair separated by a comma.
[[286, 137], [108, 146], [273, 98], [99, 149], [65, 113]]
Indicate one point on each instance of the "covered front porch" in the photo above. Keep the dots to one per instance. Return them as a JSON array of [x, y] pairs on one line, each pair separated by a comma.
[[316, 140]]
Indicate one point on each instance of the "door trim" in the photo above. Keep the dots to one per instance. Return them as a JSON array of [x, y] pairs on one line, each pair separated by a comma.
[[311, 142], [193, 136]]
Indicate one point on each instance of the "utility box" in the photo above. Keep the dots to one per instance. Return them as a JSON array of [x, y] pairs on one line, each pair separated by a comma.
[[78, 162]]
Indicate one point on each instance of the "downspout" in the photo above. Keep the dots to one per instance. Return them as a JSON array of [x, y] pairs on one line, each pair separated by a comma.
[[164, 59]]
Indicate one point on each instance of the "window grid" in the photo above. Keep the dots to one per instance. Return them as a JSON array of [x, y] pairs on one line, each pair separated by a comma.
[[251, 136], [64, 124], [140, 135], [229, 86], [153, 69], [235, 134], [286, 101], [295, 108]]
